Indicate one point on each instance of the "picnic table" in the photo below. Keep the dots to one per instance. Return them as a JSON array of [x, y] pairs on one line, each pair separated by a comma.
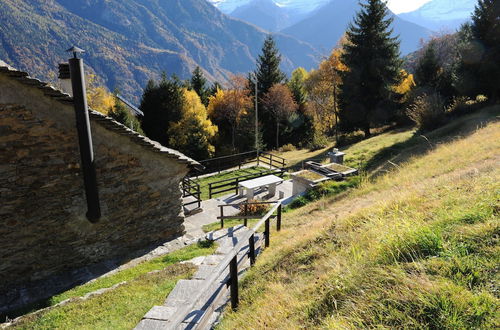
[[251, 185]]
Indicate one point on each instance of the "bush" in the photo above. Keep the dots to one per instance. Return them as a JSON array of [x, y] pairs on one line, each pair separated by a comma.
[[288, 147], [463, 105], [427, 111], [254, 209], [318, 142]]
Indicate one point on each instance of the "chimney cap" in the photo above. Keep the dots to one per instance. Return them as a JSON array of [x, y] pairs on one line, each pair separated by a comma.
[[75, 50]]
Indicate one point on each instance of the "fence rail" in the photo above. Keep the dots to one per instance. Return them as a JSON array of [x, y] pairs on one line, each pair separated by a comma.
[[219, 164], [271, 160], [231, 261], [191, 188], [232, 183]]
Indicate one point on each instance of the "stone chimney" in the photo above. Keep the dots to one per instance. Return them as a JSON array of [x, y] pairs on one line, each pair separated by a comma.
[[65, 78]]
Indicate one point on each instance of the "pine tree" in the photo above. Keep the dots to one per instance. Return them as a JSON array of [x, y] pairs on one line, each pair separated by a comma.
[[428, 68], [199, 85], [372, 59], [268, 67], [122, 115], [162, 104], [480, 65], [268, 74]]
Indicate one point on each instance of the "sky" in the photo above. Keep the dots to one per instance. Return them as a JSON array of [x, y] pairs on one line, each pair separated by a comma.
[[403, 6]]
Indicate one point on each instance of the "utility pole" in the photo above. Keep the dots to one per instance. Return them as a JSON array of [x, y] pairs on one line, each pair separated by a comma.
[[255, 81]]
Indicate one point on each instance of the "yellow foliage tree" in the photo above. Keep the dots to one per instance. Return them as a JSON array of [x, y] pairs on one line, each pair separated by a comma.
[[98, 97], [406, 86], [322, 89], [194, 133], [228, 107]]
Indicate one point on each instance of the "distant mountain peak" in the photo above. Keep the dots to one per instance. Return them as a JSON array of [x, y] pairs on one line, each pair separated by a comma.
[[442, 14], [300, 6]]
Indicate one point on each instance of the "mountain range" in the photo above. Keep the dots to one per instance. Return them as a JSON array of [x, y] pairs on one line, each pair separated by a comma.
[[439, 15], [335, 17], [129, 41]]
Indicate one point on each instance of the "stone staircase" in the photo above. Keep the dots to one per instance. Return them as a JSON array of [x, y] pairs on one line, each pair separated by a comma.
[[206, 310]]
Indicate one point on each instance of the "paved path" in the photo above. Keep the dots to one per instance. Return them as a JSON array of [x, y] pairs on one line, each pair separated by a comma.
[[211, 209]]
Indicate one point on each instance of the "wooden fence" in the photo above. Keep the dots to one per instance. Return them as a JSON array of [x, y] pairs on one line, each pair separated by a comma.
[[271, 160], [231, 261], [232, 183], [191, 188]]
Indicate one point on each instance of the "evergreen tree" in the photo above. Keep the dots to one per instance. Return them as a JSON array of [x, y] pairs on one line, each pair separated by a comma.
[[268, 74], [122, 115], [428, 69], [372, 59], [297, 85], [199, 85], [480, 66], [162, 104], [268, 67]]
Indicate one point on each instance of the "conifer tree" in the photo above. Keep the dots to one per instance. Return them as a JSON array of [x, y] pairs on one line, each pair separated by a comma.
[[268, 74], [371, 56], [162, 104], [480, 65], [122, 115], [198, 83], [428, 68]]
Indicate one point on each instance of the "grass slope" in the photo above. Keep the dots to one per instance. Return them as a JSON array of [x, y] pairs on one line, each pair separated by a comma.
[[417, 247], [147, 285]]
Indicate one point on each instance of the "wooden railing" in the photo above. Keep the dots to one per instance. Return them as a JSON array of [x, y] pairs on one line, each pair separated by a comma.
[[232, 183], [231, 260], [271, 160], [219, 164], [191, 188]]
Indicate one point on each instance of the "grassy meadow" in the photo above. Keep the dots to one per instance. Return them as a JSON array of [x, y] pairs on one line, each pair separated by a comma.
[[416, 246]]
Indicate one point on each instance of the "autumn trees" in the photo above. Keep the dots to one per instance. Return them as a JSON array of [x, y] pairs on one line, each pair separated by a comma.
[[176, 117]]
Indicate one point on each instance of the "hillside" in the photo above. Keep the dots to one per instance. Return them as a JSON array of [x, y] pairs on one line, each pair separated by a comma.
[[335, 16], [415, 248], [268, 15], [129, 41]]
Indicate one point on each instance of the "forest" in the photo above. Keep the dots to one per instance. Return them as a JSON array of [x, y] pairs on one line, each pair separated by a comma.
[[362, 87]]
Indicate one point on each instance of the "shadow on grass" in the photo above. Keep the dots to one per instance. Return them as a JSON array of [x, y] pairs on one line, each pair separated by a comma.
[[422, 142]]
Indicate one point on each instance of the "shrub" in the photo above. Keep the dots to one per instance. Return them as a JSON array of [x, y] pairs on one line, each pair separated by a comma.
[[288, 147], [254, 209], [463, 105], [318, 142], [427, 111]]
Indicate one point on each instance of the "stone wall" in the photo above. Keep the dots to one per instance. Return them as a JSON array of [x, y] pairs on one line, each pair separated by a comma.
[[43, 228]]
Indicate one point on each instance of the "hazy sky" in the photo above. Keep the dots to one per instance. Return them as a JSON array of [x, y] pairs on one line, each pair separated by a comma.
[[402, 6]]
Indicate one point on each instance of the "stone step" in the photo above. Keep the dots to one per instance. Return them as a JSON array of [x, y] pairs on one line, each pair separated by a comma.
[[180, 297]]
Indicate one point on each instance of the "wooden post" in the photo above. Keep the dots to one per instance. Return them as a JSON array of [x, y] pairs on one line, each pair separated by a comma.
[[233, 274], [209, 191], [267, 233], [237, 183], [278, 220], [271, 161], [221, 216], [246, 213], [251, 249]]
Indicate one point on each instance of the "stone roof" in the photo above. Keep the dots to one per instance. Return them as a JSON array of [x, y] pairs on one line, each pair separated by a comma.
[[105, 121]]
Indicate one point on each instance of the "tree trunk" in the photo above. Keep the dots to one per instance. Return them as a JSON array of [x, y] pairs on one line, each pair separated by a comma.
[[233, 138], [366, 130], [277, 134]]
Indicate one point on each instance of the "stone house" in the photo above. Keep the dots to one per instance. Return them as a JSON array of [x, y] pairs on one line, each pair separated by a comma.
[[45, 237]]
